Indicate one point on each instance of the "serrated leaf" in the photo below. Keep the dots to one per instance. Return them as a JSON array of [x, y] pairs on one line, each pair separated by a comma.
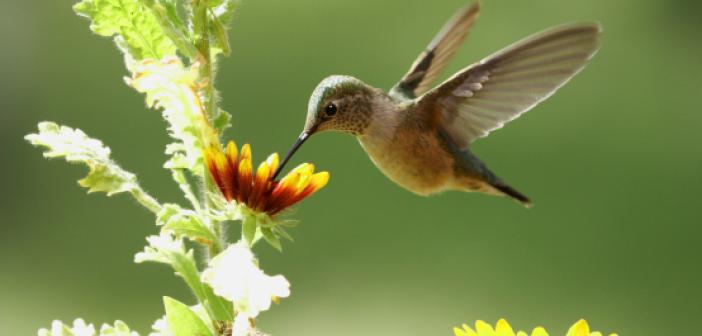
[[74, 146], [184, 223], [169, 250], [222, 120], [172, 87], [222, 11], [182, 321], [131, 20]]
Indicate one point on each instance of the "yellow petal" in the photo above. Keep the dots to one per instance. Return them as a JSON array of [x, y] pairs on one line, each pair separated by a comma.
[[245, 174], [539, 331], [304, 169], [319, 180], [298, 178], [580, 328], [273, 161], [596, 333], [290, 180], [521, 333], [483, 328], [245, 168], [232, 153], [263, 172], [468, 331], [221, 162], [208, 156], [502, 328], [458, 332]]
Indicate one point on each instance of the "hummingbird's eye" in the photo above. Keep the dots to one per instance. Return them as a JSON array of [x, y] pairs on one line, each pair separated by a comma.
[[330, 110]]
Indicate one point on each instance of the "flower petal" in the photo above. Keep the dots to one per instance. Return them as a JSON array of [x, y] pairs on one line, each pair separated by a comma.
[[468, 331], [262, 181], [286, 189], [502, 328], [232, 153], [314, 183], [580, 328], [483, 328], [539, 331], [220, 170], [225, 174], [232, 157], [273, 161], [245, 174]]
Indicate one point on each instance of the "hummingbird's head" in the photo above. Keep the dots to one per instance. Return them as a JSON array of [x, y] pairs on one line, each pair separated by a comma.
[[338, 103]]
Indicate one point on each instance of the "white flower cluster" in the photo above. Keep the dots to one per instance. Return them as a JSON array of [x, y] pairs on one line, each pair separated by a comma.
[[234, 275], [80, 328]]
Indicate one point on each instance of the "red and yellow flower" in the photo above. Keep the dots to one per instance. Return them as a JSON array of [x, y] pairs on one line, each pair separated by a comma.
[[232, 171]]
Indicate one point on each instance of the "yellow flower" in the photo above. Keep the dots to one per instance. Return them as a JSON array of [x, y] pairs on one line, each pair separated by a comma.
[[502, 328], [233, 173]]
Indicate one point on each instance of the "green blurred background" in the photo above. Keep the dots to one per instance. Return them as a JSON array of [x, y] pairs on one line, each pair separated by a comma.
[[612, 162]]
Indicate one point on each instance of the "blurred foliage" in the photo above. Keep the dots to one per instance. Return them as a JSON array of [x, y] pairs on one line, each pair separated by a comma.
[[612, 163]]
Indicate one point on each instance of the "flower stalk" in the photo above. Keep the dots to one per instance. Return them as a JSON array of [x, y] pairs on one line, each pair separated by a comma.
[[145, 199]]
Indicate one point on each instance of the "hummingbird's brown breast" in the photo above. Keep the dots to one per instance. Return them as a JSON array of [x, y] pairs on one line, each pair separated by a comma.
[[408, 152]]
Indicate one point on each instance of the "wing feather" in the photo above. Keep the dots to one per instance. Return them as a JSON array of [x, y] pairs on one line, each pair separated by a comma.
[[485, 96], [428, 66]]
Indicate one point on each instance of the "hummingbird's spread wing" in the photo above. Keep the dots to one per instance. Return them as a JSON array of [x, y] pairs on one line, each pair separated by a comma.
[[437, 54], [485, 96]]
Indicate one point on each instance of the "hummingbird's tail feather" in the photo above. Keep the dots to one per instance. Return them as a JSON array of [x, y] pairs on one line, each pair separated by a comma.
[[474, 175], [513, 193]]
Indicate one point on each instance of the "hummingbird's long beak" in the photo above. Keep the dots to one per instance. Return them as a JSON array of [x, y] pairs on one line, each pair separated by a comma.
[[300, 140]]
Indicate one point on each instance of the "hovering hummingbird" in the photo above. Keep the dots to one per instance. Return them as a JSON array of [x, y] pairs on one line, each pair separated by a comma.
[[419, 136]]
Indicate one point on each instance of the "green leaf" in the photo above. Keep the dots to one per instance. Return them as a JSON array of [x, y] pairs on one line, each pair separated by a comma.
[[248, 229], [166, 14], [76, 147], [104, 175], [185, 223], [182, 321], [271, 238], [131, 20], [174, 88], [221, 15], [224, 10], [171, 251], [222, 120], [184, 185]]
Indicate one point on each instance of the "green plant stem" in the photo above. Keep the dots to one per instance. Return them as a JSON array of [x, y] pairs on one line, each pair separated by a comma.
[[145, 199], [202, 43]]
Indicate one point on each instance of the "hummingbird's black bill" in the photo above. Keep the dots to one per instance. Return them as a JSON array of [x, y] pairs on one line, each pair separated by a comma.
[[300, 140]]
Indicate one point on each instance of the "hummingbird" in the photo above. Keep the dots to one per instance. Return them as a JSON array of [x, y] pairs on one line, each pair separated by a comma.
[[419, 136]]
